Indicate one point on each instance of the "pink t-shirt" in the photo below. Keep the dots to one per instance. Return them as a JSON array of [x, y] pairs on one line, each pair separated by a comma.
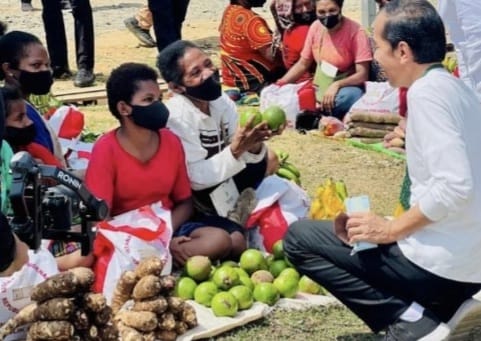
[[343, 48], [126, 183]]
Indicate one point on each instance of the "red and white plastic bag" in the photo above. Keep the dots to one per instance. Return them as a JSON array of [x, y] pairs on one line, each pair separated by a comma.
[[280, 203], [122, 242]]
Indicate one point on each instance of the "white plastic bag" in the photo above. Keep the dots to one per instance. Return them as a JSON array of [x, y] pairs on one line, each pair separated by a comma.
[[122, 242], [284, 96], [379, 97]]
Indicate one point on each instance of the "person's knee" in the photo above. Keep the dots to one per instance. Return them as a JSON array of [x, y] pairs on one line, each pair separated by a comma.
[[223, 243], [239, 245], [290, 242], [348, 96], [345, 99]]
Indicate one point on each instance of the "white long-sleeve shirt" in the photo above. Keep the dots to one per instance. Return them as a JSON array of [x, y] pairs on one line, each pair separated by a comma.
[[443, 140], [205, 138]]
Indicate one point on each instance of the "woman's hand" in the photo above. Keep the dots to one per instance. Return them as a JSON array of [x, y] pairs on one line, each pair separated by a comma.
[[178, 251], [329, 99], [249, 137], [368, 227]]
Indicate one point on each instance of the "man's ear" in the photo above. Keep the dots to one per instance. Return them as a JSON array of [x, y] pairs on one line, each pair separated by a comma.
[[178, 89], [123, 108], [404, 53]]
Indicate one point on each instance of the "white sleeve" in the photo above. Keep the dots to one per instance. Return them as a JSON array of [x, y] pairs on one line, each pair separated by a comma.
[[443, 150]]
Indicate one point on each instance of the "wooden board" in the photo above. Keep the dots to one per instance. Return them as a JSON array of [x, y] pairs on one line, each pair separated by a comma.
[[91, 94]]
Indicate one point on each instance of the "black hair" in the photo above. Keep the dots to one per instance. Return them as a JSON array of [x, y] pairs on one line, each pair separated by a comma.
[[13, 46], [9, 94], [417, 23], [168, 60], [338, 2], [123, 83]]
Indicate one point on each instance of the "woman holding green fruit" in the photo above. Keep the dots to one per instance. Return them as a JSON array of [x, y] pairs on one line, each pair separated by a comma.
[[219, 153]]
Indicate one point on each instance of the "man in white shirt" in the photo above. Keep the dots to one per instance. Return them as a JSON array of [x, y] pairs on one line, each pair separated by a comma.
[[461, 18], [425, 267], [217, 152]]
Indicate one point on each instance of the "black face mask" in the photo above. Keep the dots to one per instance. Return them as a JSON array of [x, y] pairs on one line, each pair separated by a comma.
[[153, 116], [305, 18], [330, 21], [37, 83], [20, 136], [209, 90]]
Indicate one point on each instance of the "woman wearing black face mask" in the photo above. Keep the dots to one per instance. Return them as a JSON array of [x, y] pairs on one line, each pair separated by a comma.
[[339, 41], [25, 64], [218, 152], [293, 19]]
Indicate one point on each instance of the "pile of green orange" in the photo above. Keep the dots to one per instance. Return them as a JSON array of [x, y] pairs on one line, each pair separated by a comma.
[[232, 286]]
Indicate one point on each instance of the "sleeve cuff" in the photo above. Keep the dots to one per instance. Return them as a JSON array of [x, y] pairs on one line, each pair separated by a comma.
[[254, 158], [432, 209]]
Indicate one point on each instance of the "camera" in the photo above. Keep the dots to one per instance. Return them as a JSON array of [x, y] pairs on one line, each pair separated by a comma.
[[43, 212], [61, 206]]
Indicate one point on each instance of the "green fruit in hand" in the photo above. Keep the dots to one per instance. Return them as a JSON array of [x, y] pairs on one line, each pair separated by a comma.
[[287, 286], [246, 115], [198, 268], [224, 304], [277, 250], [266, 293], [307, 285], [185, 288], [243, 296], [275, 117], [204, 293], [225, 277], [252, 260]]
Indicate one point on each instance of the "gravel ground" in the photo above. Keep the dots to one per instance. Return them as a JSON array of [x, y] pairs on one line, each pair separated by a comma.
[[108, 17]]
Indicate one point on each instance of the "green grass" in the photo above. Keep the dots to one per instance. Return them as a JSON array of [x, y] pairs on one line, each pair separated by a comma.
[[330, 323]]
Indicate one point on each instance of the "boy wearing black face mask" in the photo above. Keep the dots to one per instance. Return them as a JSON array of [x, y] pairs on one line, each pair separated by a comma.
[[141, 162], [20, 131]]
